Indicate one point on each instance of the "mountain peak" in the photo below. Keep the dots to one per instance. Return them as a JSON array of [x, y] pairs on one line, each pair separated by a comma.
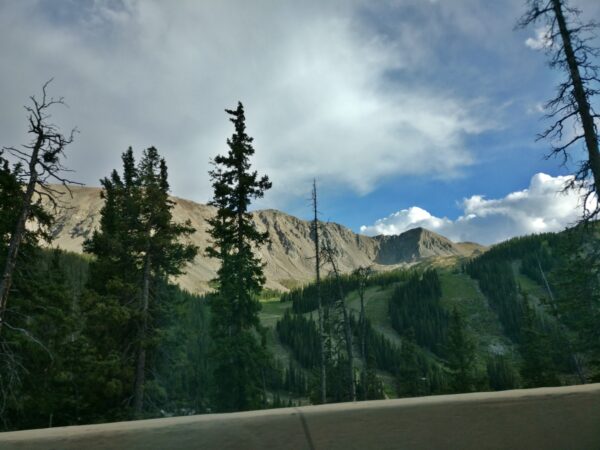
[[289, 254], [413, 245]]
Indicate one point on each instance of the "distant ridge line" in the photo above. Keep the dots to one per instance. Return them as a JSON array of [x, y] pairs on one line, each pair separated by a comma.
[[287, 256]]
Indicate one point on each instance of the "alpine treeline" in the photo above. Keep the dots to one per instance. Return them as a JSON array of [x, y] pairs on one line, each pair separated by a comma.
[[304, 299], [497, 281], [300, 334]]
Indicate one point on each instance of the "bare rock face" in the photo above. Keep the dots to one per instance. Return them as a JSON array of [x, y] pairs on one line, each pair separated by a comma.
[[289, 255], [414, 245]]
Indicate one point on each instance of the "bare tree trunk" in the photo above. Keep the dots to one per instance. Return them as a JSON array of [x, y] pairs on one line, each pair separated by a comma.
[[17, 235], [584, 110], [348, 335], [346, 318], [319, 300], [44, 150], [363, 329], [140, 369], [363, 273], [363, 324]]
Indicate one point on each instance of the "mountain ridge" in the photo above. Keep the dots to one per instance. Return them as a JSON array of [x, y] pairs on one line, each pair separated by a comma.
[[288, 257]]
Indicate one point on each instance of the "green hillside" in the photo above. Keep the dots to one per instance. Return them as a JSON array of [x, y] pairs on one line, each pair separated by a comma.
[[445, 325], [505, 308]]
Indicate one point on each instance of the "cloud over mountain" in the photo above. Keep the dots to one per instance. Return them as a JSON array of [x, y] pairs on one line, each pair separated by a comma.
[[314, 78], [540, 208]]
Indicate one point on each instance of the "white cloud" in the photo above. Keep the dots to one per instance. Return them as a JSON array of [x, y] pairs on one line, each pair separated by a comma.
[[542, 207], [541, 41], [406, 219], [314, 82]]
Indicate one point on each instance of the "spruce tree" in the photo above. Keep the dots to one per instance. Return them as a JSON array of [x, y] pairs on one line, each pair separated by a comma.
[[16, 321], [577, 283], [538, 368], [501, 373], [110, 298], [138, 247], [461, 354], [42, 337], [238, 356]]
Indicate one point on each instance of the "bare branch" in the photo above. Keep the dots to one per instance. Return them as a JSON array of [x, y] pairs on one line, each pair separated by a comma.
[[572, 52], [42, 162], [31, 337]]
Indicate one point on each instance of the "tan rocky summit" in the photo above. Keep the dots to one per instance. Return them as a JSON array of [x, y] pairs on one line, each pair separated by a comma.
[[288, 256]]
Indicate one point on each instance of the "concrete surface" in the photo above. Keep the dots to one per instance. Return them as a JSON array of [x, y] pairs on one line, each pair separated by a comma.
[[565, 418]]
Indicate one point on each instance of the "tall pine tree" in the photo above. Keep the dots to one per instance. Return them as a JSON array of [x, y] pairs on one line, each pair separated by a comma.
[[238, 356], [138, 247]]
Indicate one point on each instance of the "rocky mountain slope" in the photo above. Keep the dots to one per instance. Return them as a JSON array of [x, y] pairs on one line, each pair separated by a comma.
[[288, 257]]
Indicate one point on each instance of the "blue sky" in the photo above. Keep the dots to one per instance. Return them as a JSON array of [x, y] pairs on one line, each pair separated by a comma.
[[389, 105]]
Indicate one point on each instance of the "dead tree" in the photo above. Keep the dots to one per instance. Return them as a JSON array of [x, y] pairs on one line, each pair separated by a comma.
[[363, 274], [315, 230], [330, 256], [41, 163], [568, 45]]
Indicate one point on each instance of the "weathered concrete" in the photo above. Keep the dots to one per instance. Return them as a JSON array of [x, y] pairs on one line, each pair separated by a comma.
[[548, 418]]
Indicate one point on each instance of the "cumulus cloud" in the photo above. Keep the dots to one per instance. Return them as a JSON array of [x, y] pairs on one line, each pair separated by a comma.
[[541, 41], [542, 207], [406, 219], [314, 80]]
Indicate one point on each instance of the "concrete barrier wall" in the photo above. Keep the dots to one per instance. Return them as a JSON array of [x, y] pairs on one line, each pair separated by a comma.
[[565, 418]]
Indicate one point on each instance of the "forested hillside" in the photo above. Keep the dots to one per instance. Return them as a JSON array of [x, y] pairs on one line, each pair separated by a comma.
[[502, 320], [488, 323], [59, 378]]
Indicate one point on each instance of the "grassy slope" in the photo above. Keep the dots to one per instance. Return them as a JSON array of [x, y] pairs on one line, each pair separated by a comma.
[[376, 305], [462, 292], [272, 311], [376, 308], [458, 291]]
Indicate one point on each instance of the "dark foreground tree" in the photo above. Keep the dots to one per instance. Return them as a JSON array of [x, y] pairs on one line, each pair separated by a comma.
[[343, 323], [577, 282], [321, 313], [238, 356], [161, 253], [40, 163], [501, 373], [461, 354], [40, 352], [362, 274], [569, 46], [137, 247], [538, 368]]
